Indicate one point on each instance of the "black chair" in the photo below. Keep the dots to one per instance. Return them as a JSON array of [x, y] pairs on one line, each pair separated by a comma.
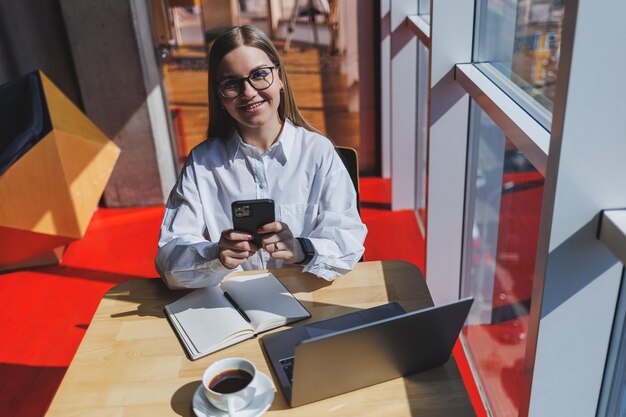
[[350, 159], [24, 118]]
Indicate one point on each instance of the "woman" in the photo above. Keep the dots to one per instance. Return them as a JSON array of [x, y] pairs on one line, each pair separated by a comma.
[[258, 146]]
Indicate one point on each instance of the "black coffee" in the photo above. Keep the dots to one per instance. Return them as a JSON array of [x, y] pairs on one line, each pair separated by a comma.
[[229, 381]]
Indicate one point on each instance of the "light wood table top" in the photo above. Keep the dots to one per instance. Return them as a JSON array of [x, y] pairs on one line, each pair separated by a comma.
[[130, 362]]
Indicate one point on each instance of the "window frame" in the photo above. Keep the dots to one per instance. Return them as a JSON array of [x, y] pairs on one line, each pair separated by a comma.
[[568, 222]]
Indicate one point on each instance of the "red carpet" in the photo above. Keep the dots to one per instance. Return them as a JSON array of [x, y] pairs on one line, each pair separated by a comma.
[[393, 235], [375, 190], [48, 309]]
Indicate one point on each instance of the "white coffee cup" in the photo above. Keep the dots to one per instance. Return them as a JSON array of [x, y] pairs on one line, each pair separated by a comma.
[[223, 398]]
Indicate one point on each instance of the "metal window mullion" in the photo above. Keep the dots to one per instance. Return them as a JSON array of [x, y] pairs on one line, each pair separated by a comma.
[[420, 28], [385, 87], [524, 131]]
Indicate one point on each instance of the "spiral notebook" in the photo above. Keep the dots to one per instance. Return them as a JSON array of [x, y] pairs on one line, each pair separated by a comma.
[[209, 319]]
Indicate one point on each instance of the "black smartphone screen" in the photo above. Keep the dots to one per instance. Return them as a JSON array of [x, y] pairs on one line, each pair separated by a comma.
[[250, 215]]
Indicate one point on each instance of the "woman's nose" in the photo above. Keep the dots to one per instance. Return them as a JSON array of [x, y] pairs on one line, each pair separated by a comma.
[[247, 89]]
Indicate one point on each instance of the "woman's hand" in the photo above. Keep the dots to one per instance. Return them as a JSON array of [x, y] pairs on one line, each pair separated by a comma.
[[234, 248], [279, 242]]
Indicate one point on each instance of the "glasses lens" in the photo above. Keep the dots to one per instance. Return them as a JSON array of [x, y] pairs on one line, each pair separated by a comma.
[[230, 88], [261, 78]]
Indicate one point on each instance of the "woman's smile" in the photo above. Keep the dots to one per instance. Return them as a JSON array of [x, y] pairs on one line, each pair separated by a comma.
[[252, 107]]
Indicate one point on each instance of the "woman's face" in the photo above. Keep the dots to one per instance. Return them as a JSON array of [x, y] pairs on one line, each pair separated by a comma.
[[253, 108]]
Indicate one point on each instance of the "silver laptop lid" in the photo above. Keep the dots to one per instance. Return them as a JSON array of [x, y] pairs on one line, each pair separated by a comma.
[[347, 360]]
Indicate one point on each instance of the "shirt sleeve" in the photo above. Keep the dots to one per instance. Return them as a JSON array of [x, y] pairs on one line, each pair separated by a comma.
[[185, 258], [339, 234]]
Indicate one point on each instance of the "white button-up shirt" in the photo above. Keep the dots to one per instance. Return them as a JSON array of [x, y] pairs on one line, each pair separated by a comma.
[[301, 172]]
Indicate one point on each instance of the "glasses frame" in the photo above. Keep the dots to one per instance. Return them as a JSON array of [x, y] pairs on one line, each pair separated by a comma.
[[241, 80]]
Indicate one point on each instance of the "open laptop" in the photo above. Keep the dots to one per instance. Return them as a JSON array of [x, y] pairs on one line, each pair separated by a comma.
[[359, 349]]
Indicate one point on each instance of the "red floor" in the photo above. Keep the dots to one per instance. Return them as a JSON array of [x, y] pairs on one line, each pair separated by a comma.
[[498, 350], [48, 309]]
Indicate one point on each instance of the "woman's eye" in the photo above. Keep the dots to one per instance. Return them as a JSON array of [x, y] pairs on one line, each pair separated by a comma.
[[230, 84], [260, 73]]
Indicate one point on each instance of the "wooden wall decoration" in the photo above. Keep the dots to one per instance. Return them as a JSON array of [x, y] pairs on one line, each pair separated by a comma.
[[50, 192]]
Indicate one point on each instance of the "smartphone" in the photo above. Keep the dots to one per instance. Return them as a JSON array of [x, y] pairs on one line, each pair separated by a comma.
[[250, 215]]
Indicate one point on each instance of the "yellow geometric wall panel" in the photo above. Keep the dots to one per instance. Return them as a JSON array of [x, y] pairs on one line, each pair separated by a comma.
[[52, 180]]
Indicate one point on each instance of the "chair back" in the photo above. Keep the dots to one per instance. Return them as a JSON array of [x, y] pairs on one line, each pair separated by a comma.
[[350, 159]]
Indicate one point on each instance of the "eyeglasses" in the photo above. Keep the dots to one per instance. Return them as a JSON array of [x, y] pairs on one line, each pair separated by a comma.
[[260, 79]]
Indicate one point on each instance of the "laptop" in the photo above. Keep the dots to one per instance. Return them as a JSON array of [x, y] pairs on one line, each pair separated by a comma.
[[356, 350]]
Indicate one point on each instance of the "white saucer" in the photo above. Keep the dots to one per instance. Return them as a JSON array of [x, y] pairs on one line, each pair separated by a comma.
[[260, 403]]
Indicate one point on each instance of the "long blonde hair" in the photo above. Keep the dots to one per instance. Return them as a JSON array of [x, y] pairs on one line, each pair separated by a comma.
[[221, 124]]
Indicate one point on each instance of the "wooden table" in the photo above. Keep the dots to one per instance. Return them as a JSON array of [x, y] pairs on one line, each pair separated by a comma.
[[130, 362]]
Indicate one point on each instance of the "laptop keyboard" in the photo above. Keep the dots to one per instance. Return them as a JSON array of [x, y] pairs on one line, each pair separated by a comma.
[[287, 364]]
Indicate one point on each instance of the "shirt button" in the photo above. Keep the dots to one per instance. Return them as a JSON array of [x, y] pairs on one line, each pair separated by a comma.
[[261, 186]]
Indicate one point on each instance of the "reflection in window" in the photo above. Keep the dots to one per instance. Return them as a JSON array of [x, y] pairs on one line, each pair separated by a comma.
[[423, 9], [522, 39], [503, 209], [613, 400], [422, 133]]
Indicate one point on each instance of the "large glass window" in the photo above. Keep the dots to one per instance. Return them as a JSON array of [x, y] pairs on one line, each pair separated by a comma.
[[503, 209], [518, 46], [423, 9], [422, 132], [613, 401]]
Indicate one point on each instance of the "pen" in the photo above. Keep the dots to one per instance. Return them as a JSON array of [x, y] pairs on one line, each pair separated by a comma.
[[234, 303]]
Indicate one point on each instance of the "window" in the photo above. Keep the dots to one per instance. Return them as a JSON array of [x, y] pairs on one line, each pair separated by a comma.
[[423, 9], [615, 402], [518, 46], [503, 209], [422, 133], [485, 193]]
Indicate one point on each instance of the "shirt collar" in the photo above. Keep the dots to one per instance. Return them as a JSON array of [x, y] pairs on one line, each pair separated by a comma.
[[280, 150]]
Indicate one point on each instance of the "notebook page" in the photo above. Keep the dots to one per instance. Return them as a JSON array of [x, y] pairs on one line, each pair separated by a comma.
[[266, 301], [195, 354], [206, 321]]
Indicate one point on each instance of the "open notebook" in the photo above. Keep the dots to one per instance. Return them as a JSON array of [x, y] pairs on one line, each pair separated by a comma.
[[206, 320]]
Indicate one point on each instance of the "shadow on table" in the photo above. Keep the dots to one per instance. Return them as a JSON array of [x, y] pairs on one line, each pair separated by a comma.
[[424, 389], [408, 286], [150, 295], [181, 400]]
